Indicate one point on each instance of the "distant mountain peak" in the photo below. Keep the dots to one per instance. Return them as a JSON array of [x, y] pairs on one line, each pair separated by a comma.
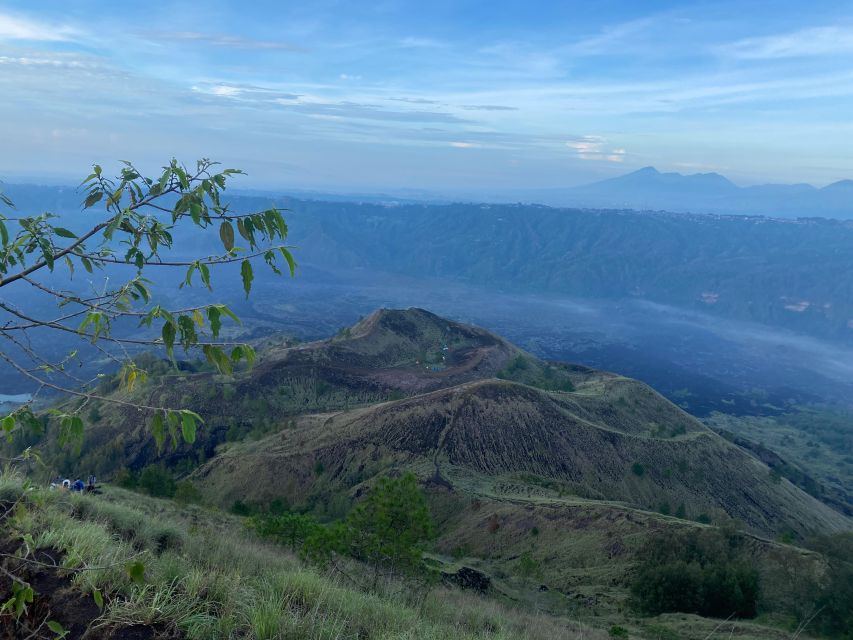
[[841, 184], [649, 170], [650, 178]]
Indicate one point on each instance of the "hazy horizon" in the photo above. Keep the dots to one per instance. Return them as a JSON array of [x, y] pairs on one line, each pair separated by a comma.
[[457, 96]]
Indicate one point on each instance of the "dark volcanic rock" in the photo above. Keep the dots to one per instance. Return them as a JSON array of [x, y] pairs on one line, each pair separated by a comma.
[[468, 578]]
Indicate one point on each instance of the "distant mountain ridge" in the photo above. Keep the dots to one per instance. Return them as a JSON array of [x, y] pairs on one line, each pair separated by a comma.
[[650, 189]]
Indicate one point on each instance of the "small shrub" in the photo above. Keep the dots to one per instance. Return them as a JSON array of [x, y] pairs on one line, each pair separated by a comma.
[[240, 508], [187, 492], [156, 481], [387, 530], [705, 572], [528, 566], [834, 601], [638, 469], [618, 632], [290, 529], [167, 536], [279, 506]]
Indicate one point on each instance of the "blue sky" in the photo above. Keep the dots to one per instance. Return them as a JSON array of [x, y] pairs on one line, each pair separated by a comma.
[[443, 96]]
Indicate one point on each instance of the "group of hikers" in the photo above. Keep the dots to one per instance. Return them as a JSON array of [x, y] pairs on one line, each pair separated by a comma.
[[77, 485]]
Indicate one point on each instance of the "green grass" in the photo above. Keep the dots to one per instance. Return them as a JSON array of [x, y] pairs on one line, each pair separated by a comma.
[[206, 576]]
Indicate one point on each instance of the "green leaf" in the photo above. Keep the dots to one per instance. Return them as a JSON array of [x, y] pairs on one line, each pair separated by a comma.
[[113, 225], [226, 234], [158, 430], [143, 290], [93, 198], [249, 355], [188, 280], [173, 421], [216, 356], [136, 571], [188, 335], [99, 599], [205, 275], [57, 628], [168, 334], [246, 273], [87, 264], [214, 315], [229, 313], [241, 228], [187, 427], [8, 423], [291, 263], [64, 233]]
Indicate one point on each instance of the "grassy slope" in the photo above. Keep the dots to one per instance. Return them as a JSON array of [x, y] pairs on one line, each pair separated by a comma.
[[207, 577], [587, 443], [827, 459]]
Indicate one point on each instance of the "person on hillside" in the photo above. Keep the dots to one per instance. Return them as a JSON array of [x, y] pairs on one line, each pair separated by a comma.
[[78, 485], [66, 484]]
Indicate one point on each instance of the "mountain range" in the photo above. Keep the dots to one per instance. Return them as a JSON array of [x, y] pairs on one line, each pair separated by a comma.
[[708, 193]]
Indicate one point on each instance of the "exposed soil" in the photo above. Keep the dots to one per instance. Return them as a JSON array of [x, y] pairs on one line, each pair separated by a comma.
[[57, 599]]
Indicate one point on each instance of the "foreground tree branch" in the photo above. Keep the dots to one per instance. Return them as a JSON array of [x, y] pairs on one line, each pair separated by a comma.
[[142, 223]]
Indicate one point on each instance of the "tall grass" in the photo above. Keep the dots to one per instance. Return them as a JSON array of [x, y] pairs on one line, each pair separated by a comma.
[[207, 577]]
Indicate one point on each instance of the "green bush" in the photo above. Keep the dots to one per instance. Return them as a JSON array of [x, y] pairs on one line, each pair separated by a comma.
[[187, 492], [156, 481], [290, 529], [834, 602], [387, 530], [240, 508], [126, 478], [705, 572]]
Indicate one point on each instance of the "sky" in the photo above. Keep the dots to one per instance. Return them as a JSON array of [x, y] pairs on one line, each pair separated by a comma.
[[443, 96]]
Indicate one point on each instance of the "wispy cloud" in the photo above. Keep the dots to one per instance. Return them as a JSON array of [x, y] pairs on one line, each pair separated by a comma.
[[612, 38], [240, 91], [40, 60], [421, 43], [347, 109], [595, 148], [814, 41], [487, 107], [222, 40], [415, 100], [19, 28]]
